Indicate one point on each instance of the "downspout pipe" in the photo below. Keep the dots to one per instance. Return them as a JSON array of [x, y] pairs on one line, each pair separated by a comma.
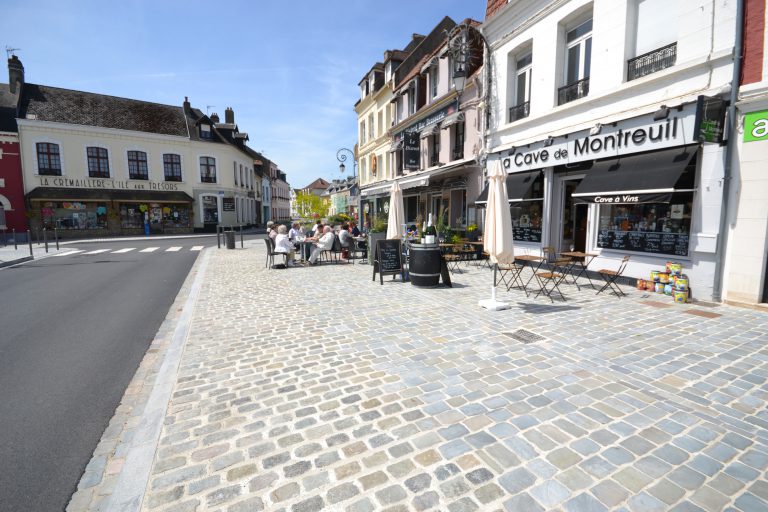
[[722, 245]]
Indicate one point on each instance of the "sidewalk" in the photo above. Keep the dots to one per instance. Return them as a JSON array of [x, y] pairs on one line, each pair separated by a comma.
[[317, 389], [9, 255]]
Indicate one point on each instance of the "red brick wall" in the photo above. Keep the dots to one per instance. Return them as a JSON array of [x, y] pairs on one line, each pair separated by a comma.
[[493, 7], [10, 172], [754, 39]]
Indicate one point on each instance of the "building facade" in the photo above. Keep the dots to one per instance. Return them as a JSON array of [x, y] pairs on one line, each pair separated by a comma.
[[12, 208], [609, 125], [281, 200], [434, 139]]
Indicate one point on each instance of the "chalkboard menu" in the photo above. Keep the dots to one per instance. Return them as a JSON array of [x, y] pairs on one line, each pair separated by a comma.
[[527, 234], [387, 258], [640, 241], [228, 204]]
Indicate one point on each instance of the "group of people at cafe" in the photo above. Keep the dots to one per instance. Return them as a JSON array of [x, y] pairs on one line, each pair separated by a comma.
[[320, 238]]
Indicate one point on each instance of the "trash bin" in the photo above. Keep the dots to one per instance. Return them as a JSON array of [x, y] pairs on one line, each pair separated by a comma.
[[229, 237]]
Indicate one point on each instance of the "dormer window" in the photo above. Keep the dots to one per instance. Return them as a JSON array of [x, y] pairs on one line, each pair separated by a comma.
[[205, 131]]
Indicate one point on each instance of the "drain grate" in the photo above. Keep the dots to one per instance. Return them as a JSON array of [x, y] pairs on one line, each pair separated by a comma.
[[524, 336]]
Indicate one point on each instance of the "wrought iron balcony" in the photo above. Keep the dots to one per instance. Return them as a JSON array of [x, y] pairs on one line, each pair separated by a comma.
[[573, 91], [651, 62], [208, 179], [520, 111]]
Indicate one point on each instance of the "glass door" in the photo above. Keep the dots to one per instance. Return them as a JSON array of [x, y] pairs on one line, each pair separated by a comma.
[[573, 220]]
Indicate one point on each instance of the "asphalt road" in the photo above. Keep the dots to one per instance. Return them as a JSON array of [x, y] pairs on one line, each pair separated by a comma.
[[73, 330]]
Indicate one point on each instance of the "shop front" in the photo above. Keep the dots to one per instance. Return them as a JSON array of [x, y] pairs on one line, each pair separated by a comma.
[[644, 187], [83, 212]]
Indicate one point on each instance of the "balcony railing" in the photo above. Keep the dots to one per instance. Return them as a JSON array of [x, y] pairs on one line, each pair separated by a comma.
[[457, 154], [520, 111], [208, 179], [433, 160], [572, 92], [651, 62]]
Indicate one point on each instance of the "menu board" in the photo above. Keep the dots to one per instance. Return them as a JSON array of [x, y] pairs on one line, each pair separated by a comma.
[[526, 234], [642, 241], [228, 204], [388, 258]]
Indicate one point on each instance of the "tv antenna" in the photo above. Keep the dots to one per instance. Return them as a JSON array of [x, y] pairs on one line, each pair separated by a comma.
[[208, 108], [9, 51]]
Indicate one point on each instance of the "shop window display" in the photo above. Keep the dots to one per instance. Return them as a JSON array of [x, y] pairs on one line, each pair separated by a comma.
[[159, 215], [67, 215], [662, 228], [526, 221]]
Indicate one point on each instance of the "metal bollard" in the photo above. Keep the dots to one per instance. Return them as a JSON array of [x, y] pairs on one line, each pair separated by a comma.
[[45, 239], [241, 236], [218, 237], [56, 234], [29, 239], [15, 242]]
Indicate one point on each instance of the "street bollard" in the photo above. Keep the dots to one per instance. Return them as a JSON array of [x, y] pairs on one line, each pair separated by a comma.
[[5, 238], [56, 234], [15, 242], [218, 237], [29, 238], [241, 236], [45, 239]]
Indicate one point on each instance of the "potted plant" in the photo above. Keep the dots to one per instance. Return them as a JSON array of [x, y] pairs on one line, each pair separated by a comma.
[[472, 232], [377, 232]]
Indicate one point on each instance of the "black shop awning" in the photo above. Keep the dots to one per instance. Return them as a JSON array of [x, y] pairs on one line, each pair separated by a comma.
[[642, 178], [85, 194], [518, 186]]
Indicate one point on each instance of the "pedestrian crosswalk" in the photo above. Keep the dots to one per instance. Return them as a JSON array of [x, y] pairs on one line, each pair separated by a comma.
[[124, 250]]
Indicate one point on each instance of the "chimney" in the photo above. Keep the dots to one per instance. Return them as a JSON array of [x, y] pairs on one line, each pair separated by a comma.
[[215, 118], [229, 116], [15, 74], [187, 106]]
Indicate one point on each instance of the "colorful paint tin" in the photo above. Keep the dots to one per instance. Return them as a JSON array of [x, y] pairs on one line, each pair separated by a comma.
[[680, 296]]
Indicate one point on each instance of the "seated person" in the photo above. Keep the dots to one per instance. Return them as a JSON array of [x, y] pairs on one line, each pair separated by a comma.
[[323, 244], [353, 228], [283, 244], [296, 231], [271, 231], [347, 242]]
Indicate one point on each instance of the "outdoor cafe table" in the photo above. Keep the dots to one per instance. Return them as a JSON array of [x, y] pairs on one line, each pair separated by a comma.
[[532, 260], [304, 246], [582, 259]]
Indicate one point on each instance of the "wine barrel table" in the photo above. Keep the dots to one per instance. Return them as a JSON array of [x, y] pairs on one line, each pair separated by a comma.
[[424, 266]]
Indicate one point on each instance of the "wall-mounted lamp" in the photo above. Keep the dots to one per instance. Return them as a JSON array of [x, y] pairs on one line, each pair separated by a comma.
[[550, 140], [661, 114], [596, 129], [511, 151]]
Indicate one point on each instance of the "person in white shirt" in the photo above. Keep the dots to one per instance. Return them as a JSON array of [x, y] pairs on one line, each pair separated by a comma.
[[283, 244], [346, 241], [323, 244], [296, 231]]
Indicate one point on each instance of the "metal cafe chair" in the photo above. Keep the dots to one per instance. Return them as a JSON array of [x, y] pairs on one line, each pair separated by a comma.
[[271, 253], [511, 275], [610, 277]]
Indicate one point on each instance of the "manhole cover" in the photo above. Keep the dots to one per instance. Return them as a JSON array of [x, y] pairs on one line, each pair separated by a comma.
[[524, 336]]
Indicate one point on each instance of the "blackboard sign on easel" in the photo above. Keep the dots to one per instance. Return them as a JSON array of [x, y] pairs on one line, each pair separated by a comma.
[[388, 259]]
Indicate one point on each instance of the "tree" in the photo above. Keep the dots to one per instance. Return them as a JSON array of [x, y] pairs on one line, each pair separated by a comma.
[[309, 205]]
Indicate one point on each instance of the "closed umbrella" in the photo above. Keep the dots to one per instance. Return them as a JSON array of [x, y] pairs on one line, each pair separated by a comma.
[[396, 212], [497, 235]]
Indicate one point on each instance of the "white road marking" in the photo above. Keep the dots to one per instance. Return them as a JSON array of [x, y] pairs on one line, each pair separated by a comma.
[[69, 253], [149, 249], [97, 251], [173, 249], [121, 251], [197, 248]]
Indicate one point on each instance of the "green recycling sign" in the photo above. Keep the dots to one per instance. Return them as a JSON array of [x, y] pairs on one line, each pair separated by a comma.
[[756, 126]]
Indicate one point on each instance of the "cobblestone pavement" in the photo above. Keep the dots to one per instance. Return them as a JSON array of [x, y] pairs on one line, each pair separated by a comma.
[[317, 389]]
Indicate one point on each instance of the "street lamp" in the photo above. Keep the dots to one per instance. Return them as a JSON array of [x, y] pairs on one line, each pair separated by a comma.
[[341, 156]]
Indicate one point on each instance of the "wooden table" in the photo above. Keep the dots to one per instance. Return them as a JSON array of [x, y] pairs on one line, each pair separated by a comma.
[[582, 259], [531, 260]]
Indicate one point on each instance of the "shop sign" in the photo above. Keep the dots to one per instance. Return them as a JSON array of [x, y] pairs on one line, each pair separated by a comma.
[[630, 136], [756, 126], [411, 150], [228, 204], [710, 119], [105, 183], [429, 120]]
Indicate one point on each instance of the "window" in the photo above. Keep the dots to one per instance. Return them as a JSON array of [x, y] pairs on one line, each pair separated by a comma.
[[434, 149], [74, 215], [578, 58], [242, 183], [362, 132], [527, 213], [235, 172], [655, 43], [370, 127], [205, 131], [98, 162], [524, 68], [433, 80], [458, 141], [207, 169], [411, 99], [172, 167], [137, 165], [48, 159]]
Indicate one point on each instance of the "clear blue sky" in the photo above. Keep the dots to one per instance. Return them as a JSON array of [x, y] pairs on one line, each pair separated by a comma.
[[289, 69]]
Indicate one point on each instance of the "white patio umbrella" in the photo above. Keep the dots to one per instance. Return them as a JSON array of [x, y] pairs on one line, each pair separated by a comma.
[[497, 235], [396, 212]]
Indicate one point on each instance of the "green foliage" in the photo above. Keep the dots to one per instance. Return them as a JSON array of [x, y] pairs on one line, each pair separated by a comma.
[[339, 218], [311, 206], [472, 227], [379, 225]]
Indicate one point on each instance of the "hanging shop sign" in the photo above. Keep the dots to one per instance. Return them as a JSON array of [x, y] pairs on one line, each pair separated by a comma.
[[756, 126], [710, 119], [228, 204], [105, 183], [626, 137], [430, 120], [411, 150]]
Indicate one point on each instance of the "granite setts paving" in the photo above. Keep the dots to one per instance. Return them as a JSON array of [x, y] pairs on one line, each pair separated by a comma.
[[312, 389]]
